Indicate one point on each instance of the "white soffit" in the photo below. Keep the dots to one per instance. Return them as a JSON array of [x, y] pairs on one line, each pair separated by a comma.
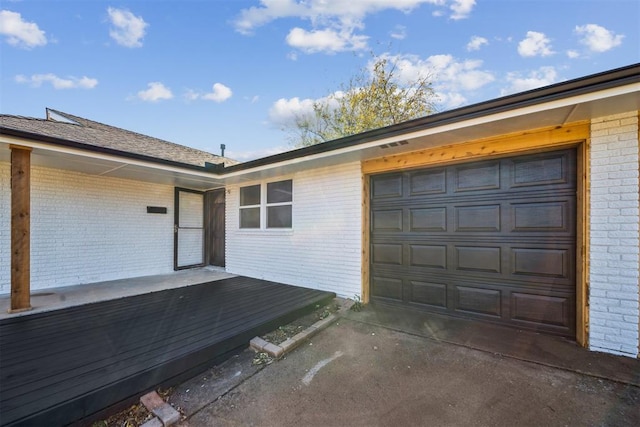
[[91, 163]]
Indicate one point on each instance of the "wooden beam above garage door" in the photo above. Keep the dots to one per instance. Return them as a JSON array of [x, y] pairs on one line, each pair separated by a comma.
[[540, 139]]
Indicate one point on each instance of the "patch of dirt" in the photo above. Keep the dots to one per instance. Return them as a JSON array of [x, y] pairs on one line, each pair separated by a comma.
[[134, 416], [287, 331]]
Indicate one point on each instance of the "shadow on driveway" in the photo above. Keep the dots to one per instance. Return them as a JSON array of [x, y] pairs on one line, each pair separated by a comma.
[[358, 374]]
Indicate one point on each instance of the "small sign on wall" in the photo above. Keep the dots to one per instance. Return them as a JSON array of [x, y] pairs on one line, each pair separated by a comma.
[[156, 210]]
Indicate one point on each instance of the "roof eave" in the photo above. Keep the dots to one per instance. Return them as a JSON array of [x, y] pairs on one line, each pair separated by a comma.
[[104, 150], [584, 85]]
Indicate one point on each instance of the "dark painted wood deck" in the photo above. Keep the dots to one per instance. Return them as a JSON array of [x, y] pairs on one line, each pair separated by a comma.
[[61, 366]]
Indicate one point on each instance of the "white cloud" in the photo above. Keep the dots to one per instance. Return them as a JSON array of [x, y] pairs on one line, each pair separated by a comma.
[[476, 43], [284, 112], [127, 29], [535, 44], [322, 12], [445, 71], [156, 92], [399, 33], [219, 93], [450, 77], [451, 100], [70, 82], [333, 23], [543, 76], [461, 8], [327, 40], [573, 54], [19, 32], [597, 38]]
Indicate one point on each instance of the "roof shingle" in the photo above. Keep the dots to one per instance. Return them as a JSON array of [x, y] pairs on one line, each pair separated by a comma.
[[94, 134]]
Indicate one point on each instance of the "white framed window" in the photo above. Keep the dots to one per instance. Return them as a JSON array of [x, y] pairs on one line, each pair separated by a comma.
[[250, 206], [270, 209]]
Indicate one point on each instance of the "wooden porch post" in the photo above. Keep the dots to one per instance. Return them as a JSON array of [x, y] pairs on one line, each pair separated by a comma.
[[20, 228]]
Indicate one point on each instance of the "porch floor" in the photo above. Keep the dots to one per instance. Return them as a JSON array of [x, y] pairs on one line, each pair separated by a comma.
[[59, 366], [69, 296]]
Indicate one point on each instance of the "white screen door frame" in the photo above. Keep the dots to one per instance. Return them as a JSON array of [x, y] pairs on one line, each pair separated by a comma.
[[188, 229]]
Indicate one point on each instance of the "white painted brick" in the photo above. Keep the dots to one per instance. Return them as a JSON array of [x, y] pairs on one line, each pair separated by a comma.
[[87, 228], [614, 234], [323, 251]]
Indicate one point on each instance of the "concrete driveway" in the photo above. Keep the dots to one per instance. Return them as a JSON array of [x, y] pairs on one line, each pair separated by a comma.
[[356, 374]]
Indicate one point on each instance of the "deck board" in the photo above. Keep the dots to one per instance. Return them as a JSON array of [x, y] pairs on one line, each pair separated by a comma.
[[64, 365]]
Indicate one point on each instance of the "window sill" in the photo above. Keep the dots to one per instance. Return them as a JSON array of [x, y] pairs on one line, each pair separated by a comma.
[[266, 231]]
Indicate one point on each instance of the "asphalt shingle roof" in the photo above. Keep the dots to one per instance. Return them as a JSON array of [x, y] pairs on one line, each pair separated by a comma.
[[94, 134]]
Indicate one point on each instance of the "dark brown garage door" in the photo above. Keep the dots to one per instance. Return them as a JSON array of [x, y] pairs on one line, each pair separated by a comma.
[[491, 240]]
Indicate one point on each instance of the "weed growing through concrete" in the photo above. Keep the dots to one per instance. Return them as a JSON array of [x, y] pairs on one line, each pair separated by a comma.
[[357, 303]]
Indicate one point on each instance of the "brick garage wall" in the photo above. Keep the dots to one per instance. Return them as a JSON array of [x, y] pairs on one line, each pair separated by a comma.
[[5, 227], [614, 262], [323, 251], [87, 228]]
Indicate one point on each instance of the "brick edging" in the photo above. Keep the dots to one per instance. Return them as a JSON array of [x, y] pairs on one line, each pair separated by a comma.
[[277, 351]]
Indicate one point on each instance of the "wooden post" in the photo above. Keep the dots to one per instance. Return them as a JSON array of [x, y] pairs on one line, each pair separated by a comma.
[[20, 228]]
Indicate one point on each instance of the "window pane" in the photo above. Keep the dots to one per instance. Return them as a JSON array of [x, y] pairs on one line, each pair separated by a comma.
[[250, 218], [279, 192], [279, 216], [250, 195]]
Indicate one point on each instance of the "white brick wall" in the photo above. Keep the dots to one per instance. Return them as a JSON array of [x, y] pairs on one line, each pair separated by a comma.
[[87, 228], [5, 226], [323, 251], [614, 288]]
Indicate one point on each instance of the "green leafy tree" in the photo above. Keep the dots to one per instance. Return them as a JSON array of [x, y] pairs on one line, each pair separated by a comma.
[[372, 99]]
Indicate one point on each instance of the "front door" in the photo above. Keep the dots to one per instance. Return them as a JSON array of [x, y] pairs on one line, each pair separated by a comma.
[[214, 202], [188, 229]]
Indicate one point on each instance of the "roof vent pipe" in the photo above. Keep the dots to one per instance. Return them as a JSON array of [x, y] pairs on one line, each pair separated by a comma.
[[222, 147]]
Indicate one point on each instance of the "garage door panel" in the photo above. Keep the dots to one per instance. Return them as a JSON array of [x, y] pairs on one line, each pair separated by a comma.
[[387, 186], [387, 287], [546, 309], [541, 216], [546, 169], [428, 293], [433, 219], [483, 176], [385, 253], [478, 300], [477, 218], [387, 220], [429, 182], [477, 258], [541, 262], [434, 256], [488, 240]]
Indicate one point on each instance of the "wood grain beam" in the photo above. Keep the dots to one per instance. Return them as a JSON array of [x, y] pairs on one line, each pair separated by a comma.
[[516, 143], [20, 228]]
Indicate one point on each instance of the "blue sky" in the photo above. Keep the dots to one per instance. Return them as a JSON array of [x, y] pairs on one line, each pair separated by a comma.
[[205, 73]]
